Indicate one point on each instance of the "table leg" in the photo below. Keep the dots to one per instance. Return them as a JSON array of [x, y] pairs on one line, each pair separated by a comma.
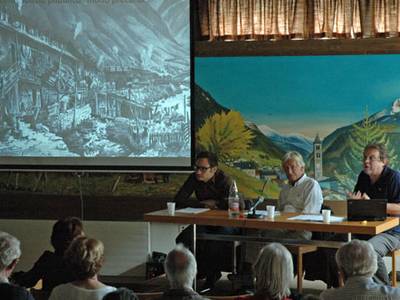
[[299, 271], [194, 252], [349, 236]]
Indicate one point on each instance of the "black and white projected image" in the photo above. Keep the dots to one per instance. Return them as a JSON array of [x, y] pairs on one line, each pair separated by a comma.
[[106, 79]]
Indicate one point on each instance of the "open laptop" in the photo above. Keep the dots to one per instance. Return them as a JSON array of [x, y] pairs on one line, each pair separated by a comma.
[[368, 210]]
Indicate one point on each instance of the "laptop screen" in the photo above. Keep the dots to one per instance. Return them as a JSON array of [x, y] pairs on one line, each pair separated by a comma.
[[368, 210]]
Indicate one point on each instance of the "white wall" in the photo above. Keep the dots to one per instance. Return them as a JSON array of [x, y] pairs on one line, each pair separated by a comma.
[[126, 243]]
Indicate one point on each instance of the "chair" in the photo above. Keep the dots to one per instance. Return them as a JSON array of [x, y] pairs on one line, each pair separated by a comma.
[[40, 294], [234, 297], [393, 255], [149, 296]]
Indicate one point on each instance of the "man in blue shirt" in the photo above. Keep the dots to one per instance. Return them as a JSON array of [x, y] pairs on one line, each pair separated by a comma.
[[378, 181]]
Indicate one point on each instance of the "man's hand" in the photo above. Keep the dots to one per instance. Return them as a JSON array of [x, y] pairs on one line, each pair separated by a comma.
[[358, 196], [211, 204]]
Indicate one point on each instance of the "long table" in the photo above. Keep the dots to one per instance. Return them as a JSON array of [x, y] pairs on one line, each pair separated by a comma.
[[221, 218]]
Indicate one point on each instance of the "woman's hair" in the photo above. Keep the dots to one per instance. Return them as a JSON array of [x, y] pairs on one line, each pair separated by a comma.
[[64, 232], [273, 271], [85, 257], [357, 258]]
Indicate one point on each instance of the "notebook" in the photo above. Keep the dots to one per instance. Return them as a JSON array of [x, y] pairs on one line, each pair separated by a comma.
[[368, 210]]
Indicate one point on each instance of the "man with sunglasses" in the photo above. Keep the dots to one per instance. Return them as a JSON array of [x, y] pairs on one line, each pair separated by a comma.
[[211, 188], [378, 181]]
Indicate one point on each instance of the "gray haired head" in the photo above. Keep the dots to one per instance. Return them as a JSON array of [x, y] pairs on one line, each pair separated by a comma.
[[273, 270], [9, 249], [293, 155], [357, 258], [180, 267]]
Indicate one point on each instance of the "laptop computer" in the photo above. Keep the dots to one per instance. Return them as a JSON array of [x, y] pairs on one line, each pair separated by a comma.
[[368, 210]]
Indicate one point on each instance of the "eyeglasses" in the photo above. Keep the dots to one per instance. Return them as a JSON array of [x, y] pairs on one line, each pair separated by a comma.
[[371, 158], [201, 169]]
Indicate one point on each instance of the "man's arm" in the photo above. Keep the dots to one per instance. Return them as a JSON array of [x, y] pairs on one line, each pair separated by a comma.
[[223, 188], [394, 195], [182, 198], [313, 198]]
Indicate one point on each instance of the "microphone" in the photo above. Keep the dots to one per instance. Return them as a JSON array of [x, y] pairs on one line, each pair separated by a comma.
[[252, 210]]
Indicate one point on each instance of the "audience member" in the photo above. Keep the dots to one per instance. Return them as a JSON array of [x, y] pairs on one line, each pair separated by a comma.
[[211, 187], [181, 268], [273, 272], [9, 255], [50, 267], [378, 181], [357, 263], [85, 257], [121, 294]]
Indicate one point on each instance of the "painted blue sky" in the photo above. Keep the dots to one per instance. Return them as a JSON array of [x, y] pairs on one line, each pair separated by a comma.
[[302, 94]]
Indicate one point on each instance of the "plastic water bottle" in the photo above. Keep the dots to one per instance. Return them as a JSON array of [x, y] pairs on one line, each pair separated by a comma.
[[234, 201]]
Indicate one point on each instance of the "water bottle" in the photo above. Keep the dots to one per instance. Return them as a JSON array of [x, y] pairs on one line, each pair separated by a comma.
[[233, 201]]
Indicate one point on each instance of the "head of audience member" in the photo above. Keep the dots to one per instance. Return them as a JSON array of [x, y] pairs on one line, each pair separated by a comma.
[[64, 232], [206, 166], [180, 267], [273, 271], [10, 252], [356, 258], [293, 165], [121, 294], [85, 257], [375, 158]]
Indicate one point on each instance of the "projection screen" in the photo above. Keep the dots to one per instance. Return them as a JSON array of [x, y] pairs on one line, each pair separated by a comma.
[[95, 85]]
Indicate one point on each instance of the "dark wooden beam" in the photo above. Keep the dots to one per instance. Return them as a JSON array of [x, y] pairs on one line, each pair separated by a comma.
[[298, 47]]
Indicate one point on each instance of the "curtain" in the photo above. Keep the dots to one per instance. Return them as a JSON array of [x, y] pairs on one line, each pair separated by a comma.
[[287, 19]]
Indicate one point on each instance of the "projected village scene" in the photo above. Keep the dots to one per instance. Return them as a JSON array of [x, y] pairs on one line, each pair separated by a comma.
[[325, 107], [95, 78]]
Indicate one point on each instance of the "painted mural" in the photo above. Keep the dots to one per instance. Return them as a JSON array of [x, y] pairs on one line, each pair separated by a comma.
[[251, 110]]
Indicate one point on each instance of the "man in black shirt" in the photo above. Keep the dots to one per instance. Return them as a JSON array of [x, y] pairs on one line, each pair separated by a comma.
[[211, 188], [210, 185]]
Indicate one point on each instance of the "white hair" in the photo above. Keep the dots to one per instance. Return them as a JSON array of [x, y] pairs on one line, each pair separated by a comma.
[[180, 267], [293, 155], [9, 249], [273, 270], [357, 258]]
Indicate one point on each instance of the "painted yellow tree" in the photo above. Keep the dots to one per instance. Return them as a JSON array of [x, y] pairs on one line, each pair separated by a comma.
[[225, 134]]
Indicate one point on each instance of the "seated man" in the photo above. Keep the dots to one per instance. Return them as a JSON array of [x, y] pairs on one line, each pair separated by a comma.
[[9, 255], [357, 263], [211, 188], [378, 181], [181, 268], [301, 194]]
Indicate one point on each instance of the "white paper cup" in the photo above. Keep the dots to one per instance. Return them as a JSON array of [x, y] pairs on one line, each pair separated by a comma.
[[171, 208], [326, 215], [270, 211]]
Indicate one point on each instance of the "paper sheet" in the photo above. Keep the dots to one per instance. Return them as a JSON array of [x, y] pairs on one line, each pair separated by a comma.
[[315, 218], [192, 210]]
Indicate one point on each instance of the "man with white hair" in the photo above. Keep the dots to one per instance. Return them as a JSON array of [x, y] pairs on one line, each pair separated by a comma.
[[181, 269], [9, 255], [357, 263], [302, 194]]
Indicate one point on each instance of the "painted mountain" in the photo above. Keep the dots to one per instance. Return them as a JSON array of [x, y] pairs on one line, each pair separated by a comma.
[[206, 106], [337, 150], [289, 142], [113, 34]]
